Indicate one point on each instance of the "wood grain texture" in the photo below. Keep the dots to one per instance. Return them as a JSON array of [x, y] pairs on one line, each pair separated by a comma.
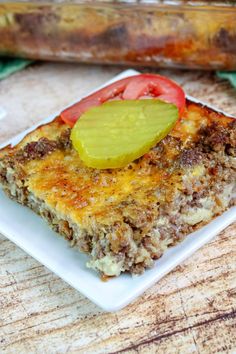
[[191, 310]]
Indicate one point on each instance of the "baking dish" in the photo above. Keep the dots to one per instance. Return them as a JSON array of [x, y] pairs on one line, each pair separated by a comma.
[[185, 34]]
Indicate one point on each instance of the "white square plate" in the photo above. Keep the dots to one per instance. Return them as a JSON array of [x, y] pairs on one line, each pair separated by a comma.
[[34, 236]]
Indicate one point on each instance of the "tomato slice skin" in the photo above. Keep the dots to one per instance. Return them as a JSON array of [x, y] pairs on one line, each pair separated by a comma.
[[131, 88]]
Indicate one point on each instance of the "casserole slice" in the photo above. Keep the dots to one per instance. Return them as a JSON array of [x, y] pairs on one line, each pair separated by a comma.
[[126, 218]]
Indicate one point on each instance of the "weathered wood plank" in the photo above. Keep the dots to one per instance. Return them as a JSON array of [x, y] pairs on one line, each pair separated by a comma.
[[191, 310]]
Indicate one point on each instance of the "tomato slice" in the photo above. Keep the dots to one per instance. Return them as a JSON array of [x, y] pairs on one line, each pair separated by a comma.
[[131, 88]]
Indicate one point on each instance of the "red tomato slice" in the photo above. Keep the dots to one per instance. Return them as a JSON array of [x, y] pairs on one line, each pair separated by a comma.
[[131, 88]]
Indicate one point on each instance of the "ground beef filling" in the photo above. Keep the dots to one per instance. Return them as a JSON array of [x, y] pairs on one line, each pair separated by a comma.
[[43, 147], [143, 235]]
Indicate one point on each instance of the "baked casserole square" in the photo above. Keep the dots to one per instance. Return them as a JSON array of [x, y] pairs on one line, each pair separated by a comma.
[[125, 218]]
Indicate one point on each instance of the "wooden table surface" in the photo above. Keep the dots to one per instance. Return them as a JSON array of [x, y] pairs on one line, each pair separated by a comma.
[[191, 310]]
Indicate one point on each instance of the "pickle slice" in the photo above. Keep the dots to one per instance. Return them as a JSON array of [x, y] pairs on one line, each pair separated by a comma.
[[118, 132]]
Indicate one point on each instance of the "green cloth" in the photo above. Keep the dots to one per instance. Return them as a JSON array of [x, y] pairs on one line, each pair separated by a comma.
[[228, 75], [9, 66]]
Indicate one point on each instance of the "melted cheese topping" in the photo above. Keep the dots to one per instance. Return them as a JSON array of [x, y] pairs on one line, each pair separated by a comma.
[[79, 193], [64, 183]]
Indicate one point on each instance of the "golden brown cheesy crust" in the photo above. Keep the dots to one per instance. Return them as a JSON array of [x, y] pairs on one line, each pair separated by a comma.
[[125, 218]]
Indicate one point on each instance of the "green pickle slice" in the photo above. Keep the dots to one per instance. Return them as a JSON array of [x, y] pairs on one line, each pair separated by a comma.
[[118, 132]]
